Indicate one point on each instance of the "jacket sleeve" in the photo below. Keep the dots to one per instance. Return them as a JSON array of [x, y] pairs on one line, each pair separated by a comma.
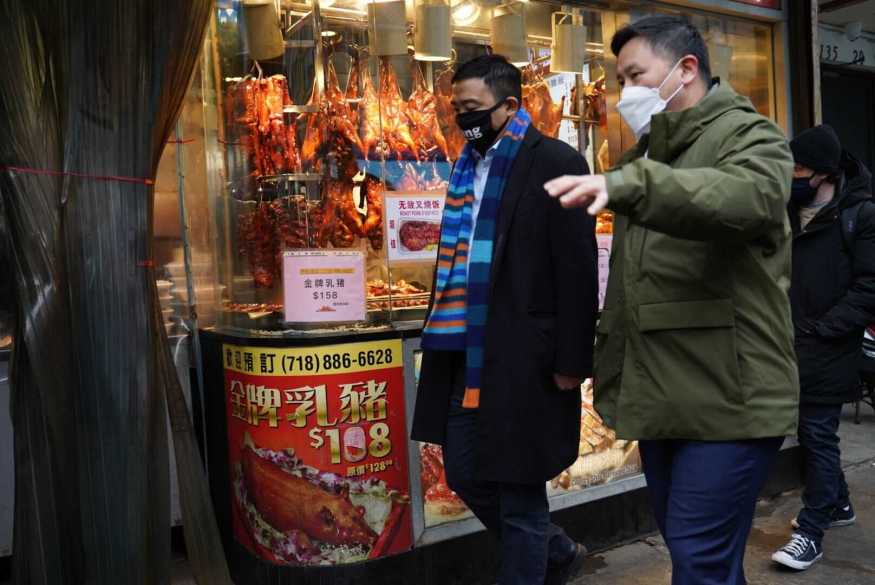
[[857, 308], [741, 197], [575, 276]]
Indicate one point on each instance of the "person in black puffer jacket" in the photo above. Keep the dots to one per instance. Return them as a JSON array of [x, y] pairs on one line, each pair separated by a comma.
[[833, 299]]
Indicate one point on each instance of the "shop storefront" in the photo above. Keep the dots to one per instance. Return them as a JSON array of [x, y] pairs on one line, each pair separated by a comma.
[[847, 77], [297, 217]]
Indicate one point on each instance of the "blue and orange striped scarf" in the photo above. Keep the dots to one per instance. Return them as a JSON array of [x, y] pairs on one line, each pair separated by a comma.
[[458, 318]]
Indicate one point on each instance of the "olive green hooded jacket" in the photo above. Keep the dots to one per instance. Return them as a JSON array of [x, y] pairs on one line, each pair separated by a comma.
[[696, 340]]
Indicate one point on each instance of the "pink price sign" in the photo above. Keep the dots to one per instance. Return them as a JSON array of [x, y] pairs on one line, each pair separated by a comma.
[[324, 286]]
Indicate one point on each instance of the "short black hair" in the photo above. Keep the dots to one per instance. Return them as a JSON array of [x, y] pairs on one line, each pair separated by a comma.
[[672, 36], [502, 78]]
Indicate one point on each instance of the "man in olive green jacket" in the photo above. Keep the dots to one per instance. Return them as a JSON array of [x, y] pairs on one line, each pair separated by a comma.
[[694, 353]]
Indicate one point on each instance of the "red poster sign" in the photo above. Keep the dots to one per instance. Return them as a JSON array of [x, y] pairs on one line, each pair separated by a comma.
[[318, 452]]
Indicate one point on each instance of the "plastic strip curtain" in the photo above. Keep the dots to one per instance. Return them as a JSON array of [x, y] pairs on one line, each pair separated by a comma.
[[88, 98]]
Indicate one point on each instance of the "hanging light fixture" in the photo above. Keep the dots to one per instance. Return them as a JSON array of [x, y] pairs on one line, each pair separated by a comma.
[[264, 36], [465, 13], [387, 28], [508, 34], [568, 49], [432, 37]]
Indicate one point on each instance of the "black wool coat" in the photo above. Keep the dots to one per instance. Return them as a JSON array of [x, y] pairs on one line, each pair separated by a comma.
[[541, 320], [833, 289]]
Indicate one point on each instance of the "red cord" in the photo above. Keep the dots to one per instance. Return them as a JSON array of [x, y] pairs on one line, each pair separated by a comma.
[[79, 175]]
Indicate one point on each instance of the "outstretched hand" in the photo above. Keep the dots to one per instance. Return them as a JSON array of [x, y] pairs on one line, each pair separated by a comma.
[[579, 191]]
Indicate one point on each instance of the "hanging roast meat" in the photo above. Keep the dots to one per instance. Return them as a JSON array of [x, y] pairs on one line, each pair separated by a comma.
[[394, 114], [343, 137], [322, 220], [337, 220], [389, 110], [422, 111], [354, 92], [373, 226], [289, 215], [257, 242], [546, 116], [446, 115], [369, 118], [315, 132], [330, 132], [596, 107], [258, 106]]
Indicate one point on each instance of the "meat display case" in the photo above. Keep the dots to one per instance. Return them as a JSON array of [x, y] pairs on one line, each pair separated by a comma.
[[327, 170]]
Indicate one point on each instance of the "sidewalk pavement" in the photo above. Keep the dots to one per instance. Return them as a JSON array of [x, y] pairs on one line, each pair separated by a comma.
[[849, 553]]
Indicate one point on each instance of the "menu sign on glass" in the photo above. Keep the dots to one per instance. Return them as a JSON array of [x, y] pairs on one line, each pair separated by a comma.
[[324, 286], [413, 225]]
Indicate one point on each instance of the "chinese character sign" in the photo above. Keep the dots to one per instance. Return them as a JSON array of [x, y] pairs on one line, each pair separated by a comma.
[[324, 286], [318, 452], [413, 225]]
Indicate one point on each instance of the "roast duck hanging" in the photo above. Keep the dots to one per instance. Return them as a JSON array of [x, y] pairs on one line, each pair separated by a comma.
[[257, 105], [345, 135]]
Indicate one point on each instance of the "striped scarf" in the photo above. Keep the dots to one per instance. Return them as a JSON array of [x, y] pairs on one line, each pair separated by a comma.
[[458, 318]]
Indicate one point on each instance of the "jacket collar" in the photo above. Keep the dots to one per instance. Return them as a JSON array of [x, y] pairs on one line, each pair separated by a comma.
[[671, 133]]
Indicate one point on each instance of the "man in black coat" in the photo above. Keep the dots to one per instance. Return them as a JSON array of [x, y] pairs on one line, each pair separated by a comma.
[[538, 340], [833, 300]]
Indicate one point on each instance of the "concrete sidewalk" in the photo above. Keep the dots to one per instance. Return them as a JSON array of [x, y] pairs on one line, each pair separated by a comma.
[[849, 553]]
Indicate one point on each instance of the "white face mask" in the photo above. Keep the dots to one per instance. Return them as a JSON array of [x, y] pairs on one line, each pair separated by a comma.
[[638, 104]]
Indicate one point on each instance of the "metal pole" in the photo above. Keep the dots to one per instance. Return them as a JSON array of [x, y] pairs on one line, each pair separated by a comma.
[[192, 320]]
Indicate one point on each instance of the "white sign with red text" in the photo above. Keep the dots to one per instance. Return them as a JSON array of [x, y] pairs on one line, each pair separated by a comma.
[[413, 225]]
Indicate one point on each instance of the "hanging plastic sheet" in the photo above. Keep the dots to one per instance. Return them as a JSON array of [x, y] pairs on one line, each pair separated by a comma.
[[89, 97]]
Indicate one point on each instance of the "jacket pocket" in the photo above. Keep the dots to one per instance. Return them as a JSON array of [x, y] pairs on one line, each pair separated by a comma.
[[686, 315], [690, 348]]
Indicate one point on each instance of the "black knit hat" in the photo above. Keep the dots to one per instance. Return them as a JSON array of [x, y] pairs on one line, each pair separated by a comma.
[[818, 149]]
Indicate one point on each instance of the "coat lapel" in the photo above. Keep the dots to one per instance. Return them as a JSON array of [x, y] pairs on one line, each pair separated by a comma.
[[515, 188]]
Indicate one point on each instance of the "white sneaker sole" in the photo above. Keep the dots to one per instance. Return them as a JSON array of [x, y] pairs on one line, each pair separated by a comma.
[[839, 523], [783, 558], [836, 524]]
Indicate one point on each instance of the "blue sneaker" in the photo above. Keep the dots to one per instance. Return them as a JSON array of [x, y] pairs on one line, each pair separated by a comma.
[[841, 516], [800, 553]]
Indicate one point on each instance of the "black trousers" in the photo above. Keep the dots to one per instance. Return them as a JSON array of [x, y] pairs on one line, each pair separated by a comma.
[[517, 514], [825, 485]]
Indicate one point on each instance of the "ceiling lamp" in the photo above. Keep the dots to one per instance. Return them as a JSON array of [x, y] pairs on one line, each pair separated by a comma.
[[508, 34], [432, 37], [264, 36], [387, 28], [466, 13], [568, 50]]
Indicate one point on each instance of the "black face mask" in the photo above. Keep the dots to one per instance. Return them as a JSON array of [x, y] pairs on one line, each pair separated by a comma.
[[802, 192], [477, 128]]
